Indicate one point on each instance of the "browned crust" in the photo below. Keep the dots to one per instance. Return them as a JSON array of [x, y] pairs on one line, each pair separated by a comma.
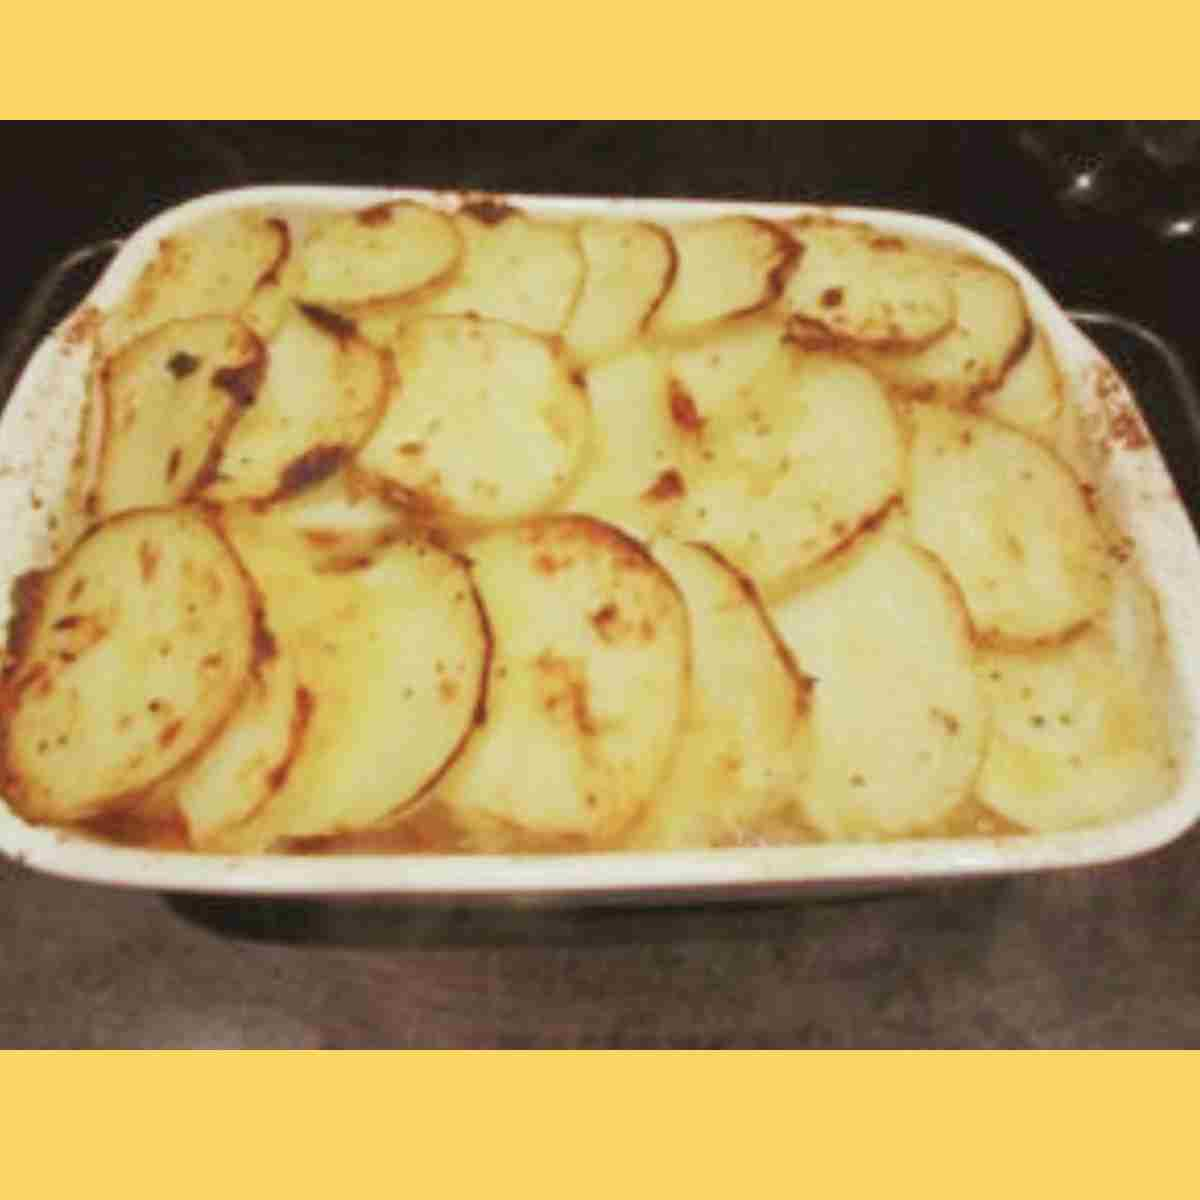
[[1022, 346], [669, 274], [863, 525], [271, 275], [489, 210], [327, 320]]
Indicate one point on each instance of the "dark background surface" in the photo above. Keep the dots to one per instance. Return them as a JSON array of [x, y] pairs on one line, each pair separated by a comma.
[[1101, 957]]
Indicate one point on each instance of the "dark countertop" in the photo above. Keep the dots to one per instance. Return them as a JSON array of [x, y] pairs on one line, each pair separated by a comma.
[[1100, 957]]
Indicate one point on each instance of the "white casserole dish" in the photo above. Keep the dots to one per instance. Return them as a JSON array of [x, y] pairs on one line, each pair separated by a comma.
[[37, 440]]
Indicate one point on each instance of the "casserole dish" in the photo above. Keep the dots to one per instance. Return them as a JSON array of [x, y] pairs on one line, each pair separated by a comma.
[[38, 440]]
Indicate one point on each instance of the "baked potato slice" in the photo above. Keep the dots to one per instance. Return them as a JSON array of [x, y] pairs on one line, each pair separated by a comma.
[[169, 400], [392, 649], [727, 267], [629, 269], [588, 687], [130, 657], [1031, 396], [1011, 523], [899, 721], [743, 759], [866, 289], [322, 393], [484, 423]]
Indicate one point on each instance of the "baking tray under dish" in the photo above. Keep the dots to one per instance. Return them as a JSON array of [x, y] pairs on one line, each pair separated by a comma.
[[38, 438]]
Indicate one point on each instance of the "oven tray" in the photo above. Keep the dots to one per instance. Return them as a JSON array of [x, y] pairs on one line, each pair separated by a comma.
[[37, 439]]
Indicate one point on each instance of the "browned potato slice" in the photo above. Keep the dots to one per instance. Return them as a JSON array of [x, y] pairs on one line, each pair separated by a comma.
[[238, 772], [990, 332], [727, 267], [1081, 732], [1031, 396], [130, 656], [858, 285], [743, 760], [588, 689], [793, 463], [1011, 523], [392, 649], [899, 720], [170, 398], [630, 265], [213, 267], [323, 392], [515, 269], [484, 423], [381, 253]]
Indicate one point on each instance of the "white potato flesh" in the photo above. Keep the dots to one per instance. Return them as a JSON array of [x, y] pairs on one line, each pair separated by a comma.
[[588, 686], [630, 265], [514, 269], [392, 649], [634, 443], [212, 267], [322, 393], [138, 649], [483, 424], [744, 755], [1011, 522], [899, 720], [868, 289], [1031, 396], [792, 466], [990, 330], [381, 253], [238, 772], [1080, 729], [727, 267], [170, 398]]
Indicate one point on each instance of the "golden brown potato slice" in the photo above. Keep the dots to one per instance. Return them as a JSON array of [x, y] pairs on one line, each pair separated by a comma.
[[862, 287], [212, 267], [744, 755], [589, 685], [630, 265], [170, 398], [899, 720], [1080, 732], [1011, 523], [991, 329], [131, 655], [514, 269], [484, 423], [793, 464], [386, 252], [247, 762], [322, 393], [392, 649], [727, 267], [1031, 396]]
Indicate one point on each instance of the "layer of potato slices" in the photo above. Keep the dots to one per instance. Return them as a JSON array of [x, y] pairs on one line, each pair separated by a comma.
[[743, 759], [1080, 729], [388, 252], [588, 688], [727, 267], [1031, 396], [1012, 524], [791, 464], [484, 422], [392, 649], [514, 268], [867, 289], [323, 390], [248, 761], [130, 656], [630, 266], [991, 329], [214, 266], [899, 718], [169, 399]]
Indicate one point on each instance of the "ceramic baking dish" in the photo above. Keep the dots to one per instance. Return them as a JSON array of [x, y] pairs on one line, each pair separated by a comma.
[[37, 440]]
